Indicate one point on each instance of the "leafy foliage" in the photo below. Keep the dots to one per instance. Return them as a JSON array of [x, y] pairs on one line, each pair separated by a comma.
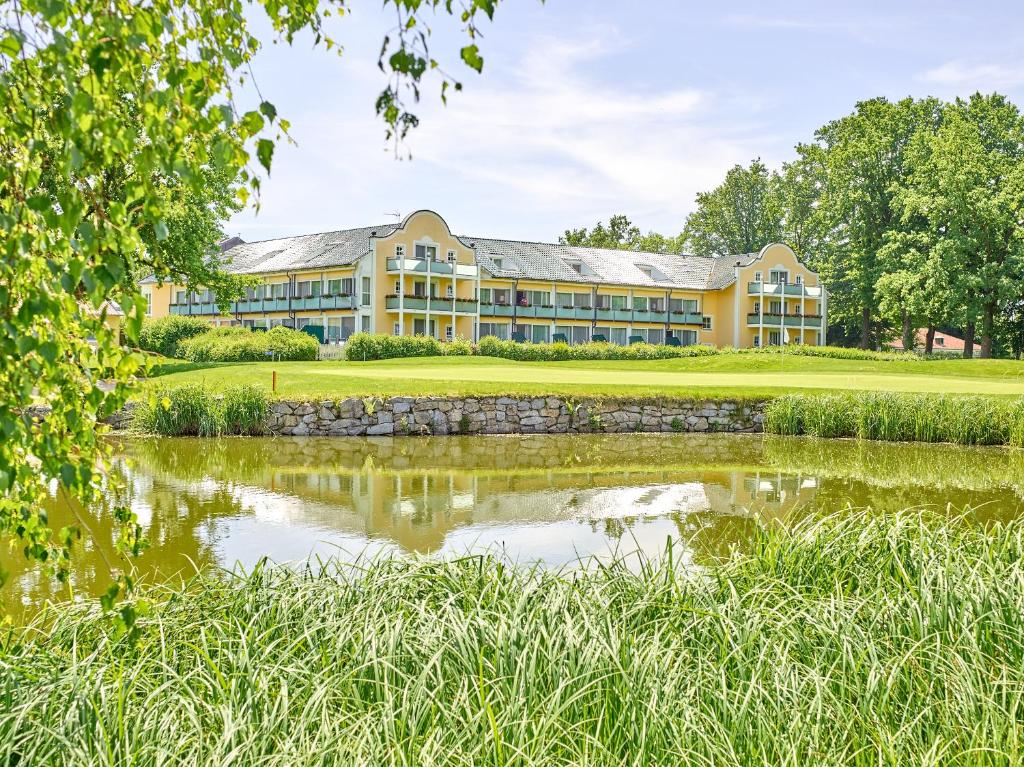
[[235, 344], [163, 334], [621, 234], [120, 122]]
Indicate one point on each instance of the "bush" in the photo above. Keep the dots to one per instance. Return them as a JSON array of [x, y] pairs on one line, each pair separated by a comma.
[[490, 346], [362, 347], [193, 410], [236, 344], [459, 347], [896, 417], [163, 335]]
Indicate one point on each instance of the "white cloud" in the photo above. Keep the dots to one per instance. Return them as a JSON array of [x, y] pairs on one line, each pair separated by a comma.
[[962, 76], [547, 138]]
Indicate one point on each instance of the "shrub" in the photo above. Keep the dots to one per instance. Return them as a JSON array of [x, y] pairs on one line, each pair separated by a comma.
[[236, 344], [362, 347], [163, 335], [459, 347], [898, 417], [193, 410]]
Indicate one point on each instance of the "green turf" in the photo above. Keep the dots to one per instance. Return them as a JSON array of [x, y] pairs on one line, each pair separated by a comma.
[[725, 375]]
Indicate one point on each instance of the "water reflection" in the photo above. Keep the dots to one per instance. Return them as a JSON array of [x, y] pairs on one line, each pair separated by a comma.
[[554, 498]]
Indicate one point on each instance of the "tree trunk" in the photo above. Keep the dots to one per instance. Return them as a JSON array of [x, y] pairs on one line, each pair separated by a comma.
[[987, 320], [929, 340], [865, 328], [969, 340], [909, 336]]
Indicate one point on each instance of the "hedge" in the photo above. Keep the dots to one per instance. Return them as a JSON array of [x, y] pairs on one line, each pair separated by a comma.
[[163, 335], [235, 344]]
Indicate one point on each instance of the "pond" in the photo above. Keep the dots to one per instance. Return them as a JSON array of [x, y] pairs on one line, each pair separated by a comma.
[[554, 499]]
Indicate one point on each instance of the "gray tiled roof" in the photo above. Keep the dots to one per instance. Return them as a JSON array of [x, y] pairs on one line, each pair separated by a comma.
[[522, 260]]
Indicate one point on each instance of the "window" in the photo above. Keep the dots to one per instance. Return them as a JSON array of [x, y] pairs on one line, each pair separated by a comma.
[[603, 331], [498, 263], [687, 337], [657, 304], [576, 266], [399, 251], [799, 279], [564, 300], [502, 296], [397, 330], [448, 292], [602, 302], [648, 272], [451, 257], [419, 289], [348, 286], [940, 341], [149, 302], [364, 323], [426, 252], [775, 307], [640, 303], [494, 329], [655, 336], [757, 307], [398, 287], [181, 297], [485, 295], [449, 333], [279, 290], [580, 334], [618, 336], [757, 341], [774, 338], [778, 276], [581, 300], [757, 276], [619, 303], [540, 334], [565, 330], [340, 328], [366, 292], [706, 322]]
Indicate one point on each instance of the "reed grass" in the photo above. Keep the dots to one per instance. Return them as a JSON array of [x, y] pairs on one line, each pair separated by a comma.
[[899, 417], [845, 640], [193, 410]]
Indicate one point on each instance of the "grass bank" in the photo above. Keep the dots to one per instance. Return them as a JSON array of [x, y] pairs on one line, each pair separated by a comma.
[[848, 640], [899, 417], [727, 375]]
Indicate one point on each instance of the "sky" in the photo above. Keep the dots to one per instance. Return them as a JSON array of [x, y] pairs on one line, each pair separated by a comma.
[[589, 108]]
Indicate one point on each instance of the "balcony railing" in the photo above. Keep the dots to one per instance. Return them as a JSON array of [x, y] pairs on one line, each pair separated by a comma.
[[788, 320], [783, 288], [420, 266], [437, 304], [265, 305]]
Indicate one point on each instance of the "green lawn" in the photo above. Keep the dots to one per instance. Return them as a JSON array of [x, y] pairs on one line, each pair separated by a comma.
[[724, 375]]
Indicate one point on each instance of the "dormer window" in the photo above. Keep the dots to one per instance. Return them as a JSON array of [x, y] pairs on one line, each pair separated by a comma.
[[652, 273], [576, 266], [399, 251], [497, 263]]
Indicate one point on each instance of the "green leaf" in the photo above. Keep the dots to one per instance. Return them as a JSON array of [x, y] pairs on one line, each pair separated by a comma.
[[269, 110], [265, 152], [471, 55]]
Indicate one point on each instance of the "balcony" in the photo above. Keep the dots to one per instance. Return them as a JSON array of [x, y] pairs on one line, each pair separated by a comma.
[[687, 318], [788, 320], [496, 310], [419, 266], [781, 288]]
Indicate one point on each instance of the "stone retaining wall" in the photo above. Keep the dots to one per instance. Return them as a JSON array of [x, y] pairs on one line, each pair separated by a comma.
[[508, 415]]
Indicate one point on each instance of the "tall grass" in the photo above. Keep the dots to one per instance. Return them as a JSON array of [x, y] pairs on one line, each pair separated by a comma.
[[899, 417], [192, 410], [850, 640]]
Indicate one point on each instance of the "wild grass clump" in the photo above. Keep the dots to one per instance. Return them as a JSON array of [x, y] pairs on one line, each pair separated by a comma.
[[237, 344], [899, 417], [852, 640], [162, 335], [192, 410]]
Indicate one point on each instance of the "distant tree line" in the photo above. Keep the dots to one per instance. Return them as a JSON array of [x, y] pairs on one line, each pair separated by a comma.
[[912, 212]]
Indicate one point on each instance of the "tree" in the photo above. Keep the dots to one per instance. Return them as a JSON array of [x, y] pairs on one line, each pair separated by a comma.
[[621, 234], [741, 215], [968, 184], [115, 119], [863, 165]]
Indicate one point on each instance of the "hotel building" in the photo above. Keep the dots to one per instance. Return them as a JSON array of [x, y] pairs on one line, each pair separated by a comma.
[[416, 277]]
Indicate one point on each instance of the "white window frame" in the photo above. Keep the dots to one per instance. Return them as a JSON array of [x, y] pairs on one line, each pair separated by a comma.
[[452, 257], [396, 330], [449, 332], [399, 251], [398, 287], [758, 276], [706, 322], [449, 292], [149, 303], [427, 245]]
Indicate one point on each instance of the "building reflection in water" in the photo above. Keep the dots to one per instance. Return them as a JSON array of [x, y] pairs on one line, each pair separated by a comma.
[[552, 499]]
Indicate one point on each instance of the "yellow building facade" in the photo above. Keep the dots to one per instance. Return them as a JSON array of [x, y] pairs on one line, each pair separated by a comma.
[[417, 278]]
